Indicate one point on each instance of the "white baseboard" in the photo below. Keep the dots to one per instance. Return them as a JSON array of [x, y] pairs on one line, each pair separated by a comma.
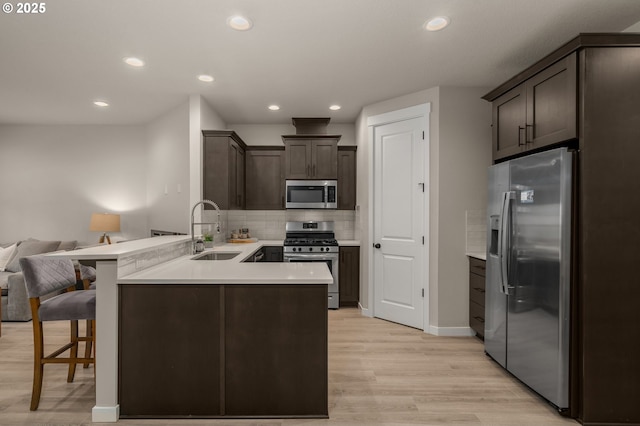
[[105, 414], [451, 331]]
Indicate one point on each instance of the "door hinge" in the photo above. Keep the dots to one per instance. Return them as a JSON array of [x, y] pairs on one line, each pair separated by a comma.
[[423, 292], [423, 240]]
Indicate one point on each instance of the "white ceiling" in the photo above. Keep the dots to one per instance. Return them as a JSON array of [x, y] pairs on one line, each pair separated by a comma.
[[301, 54]]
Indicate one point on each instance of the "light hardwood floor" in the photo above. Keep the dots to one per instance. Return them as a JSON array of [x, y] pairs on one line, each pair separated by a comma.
[[380, 373]]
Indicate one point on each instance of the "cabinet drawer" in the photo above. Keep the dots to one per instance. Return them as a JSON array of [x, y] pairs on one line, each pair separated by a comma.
[[476, 289], [476, 318], [477, 266]]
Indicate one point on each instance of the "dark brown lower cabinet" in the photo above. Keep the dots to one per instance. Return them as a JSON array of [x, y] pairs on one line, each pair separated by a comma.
[[476, 295], [223, 350], [349, 276]]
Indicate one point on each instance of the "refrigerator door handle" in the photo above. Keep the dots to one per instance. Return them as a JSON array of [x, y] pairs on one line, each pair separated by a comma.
[[505, 229]]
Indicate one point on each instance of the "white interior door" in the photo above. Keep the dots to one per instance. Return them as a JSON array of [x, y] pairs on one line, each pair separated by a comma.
[[399, 200]]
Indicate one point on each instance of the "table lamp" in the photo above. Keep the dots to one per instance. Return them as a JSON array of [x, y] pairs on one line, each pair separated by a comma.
[[105, 222]]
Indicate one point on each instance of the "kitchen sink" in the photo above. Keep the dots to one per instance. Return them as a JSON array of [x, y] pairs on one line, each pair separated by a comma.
[[217, 255]]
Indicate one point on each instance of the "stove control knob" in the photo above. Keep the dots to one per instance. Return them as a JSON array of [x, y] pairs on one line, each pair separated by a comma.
[[310, 248], [295, 249]]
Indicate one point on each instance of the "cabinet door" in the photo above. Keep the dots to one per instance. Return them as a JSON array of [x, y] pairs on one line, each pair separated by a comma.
[[158, 322], [233, 175], [298, 159], [265, 180], [349, 276], [477, 295], [346, 179], [240, 179], [216, 171], [324, 159], [273, 254], [551, 104], [509, 123]]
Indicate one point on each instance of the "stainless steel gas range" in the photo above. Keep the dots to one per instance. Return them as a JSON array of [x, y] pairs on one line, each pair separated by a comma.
[[314, 242]]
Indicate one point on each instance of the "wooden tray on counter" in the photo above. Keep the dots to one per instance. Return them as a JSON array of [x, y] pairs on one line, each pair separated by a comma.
[[242, 240]]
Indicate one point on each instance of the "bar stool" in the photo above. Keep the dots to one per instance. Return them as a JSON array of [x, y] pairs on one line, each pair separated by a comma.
[[44, 275], [88, 277]]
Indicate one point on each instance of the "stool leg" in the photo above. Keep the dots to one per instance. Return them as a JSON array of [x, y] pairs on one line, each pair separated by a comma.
[[38, 366], [74, 350], [88, 343]]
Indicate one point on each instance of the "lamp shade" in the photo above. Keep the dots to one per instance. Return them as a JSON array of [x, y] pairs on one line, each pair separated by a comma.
[[105, 222]]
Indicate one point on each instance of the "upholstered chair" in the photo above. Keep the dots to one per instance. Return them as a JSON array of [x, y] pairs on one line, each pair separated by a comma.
[[44, 275]]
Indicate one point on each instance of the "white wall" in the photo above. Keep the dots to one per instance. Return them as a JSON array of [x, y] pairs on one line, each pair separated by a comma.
[[201, 117], [54, 177], [168, 171], [459, 152], [271, 134], [465, 155]]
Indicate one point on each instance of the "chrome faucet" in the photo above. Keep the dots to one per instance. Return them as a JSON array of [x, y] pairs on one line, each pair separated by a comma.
[[193, 210]]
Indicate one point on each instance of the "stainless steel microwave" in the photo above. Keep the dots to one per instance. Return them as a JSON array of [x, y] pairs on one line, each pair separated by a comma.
[[312, 194]]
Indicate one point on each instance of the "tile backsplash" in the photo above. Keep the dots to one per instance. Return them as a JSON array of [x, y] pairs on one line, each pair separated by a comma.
[[270, 224], [476, 230]]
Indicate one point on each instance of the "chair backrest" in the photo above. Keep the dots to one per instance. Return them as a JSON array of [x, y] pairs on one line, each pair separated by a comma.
[[45, 274], [87, 272]]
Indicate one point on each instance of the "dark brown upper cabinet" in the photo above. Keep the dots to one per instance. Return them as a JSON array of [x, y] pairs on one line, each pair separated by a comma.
[[539, 112], [346, 178], [265, 178], [224, 169], [311, 156]]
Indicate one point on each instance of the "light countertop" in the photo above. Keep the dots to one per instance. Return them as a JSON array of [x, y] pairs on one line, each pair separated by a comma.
[[348, 243], [185, 270], [477, 254], [126, 248]]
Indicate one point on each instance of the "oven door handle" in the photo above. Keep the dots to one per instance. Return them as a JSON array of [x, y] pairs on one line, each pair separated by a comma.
[[319, 258]]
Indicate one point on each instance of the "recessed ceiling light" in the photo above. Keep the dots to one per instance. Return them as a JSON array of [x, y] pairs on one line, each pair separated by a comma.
[[335, 107], [134, 62], [437, 23], [239, 23], [206, 78], [100, 103], [274, 107]]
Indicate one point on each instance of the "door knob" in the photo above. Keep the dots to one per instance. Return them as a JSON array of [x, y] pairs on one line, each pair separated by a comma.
[[377, 245]]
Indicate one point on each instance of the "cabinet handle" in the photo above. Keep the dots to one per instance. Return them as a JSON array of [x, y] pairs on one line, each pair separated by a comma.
[[529, 134], [479, 319], [520, 130]]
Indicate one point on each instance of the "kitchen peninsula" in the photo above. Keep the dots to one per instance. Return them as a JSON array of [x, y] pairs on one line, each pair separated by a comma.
[[178, 337]]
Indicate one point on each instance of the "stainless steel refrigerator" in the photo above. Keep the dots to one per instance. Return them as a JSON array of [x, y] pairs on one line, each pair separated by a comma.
[[528, 270]]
